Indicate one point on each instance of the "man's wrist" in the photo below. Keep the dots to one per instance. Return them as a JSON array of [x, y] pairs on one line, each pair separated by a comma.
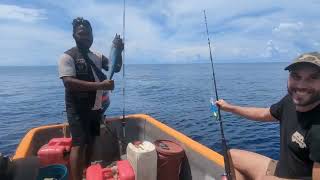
[[99, 85], [231, 108]]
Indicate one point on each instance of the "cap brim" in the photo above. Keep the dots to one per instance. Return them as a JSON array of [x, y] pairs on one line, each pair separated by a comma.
[[288, 68], [295, 64]]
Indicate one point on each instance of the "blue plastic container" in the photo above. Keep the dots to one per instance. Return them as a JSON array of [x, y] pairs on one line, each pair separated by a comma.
[[57, 171]]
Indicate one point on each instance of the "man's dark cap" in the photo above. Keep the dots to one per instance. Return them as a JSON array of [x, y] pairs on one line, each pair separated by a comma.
[[312, 58]]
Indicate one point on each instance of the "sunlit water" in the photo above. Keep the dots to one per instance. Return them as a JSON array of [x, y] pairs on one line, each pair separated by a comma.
[[177, 95]]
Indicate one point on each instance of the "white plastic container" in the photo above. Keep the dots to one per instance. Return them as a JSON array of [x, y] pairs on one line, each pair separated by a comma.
[[143, 159]]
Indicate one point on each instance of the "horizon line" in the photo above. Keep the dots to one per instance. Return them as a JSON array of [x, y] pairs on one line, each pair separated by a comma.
[[264, 62]]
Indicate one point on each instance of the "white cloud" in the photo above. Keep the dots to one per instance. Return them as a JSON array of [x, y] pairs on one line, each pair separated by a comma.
[[187, 54], [169, 31], [271, 50], [289, 31], [32, 45], [13, 12], [287, 27]]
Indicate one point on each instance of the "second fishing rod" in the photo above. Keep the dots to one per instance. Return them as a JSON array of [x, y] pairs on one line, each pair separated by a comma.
[[229, 170]]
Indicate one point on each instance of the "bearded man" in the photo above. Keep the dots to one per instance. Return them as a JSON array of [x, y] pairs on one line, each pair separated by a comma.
[[299, 116]]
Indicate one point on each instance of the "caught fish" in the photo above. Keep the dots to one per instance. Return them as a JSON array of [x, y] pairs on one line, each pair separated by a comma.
[[115, 59], [115, 64]]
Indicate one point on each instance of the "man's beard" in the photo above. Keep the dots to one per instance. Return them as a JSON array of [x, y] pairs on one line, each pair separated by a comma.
[[83, 45], [310, 97]]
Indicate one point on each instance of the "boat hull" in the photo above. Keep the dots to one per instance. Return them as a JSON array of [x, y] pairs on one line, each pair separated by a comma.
[[201, 162]]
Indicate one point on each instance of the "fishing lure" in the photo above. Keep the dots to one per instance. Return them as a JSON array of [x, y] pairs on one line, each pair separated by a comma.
[[214, 108]]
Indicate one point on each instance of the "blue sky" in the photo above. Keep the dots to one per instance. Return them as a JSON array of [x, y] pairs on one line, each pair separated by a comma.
[[36, 32]]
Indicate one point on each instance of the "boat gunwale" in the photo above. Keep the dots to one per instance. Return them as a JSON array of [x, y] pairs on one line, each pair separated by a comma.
[[25, 143]]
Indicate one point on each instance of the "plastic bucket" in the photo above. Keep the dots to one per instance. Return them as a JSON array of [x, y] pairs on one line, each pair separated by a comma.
[[170, 156], [56, 171]]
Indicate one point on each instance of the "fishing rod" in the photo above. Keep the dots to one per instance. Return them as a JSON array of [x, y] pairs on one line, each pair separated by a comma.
[[227, 157], [123, 122]]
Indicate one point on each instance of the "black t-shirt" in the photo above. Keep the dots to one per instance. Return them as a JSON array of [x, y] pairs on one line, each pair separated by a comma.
[[299, 139]]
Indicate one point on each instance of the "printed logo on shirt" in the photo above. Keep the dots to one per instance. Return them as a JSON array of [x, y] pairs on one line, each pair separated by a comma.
[[299, 139], [81, 66]]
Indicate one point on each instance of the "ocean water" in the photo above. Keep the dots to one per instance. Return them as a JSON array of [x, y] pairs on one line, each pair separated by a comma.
[[177, 95]]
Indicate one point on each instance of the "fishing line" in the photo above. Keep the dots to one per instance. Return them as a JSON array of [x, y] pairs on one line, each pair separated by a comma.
[[217, 113]]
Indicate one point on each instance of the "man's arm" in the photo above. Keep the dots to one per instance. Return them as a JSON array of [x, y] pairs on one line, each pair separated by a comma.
[[253, 113], [316, 171], [67, 73], [74, 84]]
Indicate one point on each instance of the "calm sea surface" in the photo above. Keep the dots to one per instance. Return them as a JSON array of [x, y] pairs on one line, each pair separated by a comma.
[[177, 95]]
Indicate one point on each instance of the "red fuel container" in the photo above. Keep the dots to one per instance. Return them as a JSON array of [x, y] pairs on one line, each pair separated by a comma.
[[123, 171], [170, 156], [55, 152], [96, 172]]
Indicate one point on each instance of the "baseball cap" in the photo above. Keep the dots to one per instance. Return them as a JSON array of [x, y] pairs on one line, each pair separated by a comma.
[[311, 57]]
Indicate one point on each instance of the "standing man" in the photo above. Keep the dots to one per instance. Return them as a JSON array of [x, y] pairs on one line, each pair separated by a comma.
[[299, 116], [80, 71]]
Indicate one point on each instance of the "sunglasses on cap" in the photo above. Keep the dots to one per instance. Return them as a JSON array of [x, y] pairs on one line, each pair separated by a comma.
[[80, 21]]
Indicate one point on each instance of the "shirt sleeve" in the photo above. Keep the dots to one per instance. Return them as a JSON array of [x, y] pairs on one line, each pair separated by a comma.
[[315, 143], [277, 109], [66, 66]]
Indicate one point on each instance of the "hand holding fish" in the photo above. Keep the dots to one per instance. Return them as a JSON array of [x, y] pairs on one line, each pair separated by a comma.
[[107, 85]]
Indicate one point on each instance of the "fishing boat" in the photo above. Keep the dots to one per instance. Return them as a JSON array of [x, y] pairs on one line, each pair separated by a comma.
[[200, 162]]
